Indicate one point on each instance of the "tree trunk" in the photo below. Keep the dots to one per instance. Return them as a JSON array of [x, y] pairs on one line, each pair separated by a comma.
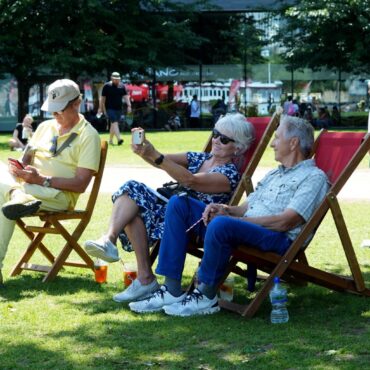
[[23, 91]]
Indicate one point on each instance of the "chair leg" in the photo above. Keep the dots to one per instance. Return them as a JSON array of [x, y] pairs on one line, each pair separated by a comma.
[[27, 254], [71, 245], [347, 244]]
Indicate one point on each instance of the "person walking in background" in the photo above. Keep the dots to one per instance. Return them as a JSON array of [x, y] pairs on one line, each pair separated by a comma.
[[22, 132], [111, 105], [194, 112]]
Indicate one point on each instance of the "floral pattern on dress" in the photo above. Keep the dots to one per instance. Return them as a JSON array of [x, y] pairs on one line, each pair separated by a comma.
[[153, 209]]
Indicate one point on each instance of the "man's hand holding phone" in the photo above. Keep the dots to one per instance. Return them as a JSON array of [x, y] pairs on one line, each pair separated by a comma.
[[26, 173]]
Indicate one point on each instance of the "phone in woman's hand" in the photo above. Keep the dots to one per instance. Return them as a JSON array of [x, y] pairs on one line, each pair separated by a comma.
[[138, 136]]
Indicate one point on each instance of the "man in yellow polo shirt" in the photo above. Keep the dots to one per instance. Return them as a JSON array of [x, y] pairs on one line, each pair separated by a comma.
[[59, 162]]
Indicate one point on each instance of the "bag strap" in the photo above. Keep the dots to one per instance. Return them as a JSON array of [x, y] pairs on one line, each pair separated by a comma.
[[66, 143]]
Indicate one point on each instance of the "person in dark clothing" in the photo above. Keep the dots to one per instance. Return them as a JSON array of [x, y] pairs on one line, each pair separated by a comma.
[[324, 119], [219, 109], [22, 132], [111, 104]]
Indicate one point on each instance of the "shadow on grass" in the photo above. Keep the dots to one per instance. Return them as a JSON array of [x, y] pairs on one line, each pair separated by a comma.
[[160, 341], [16, 288], [24, 356], [322, 324], [4, 146]]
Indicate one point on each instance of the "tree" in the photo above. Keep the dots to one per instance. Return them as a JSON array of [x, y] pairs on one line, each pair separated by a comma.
[[50, 37], [225, 37], [327, 33], [45, 39]]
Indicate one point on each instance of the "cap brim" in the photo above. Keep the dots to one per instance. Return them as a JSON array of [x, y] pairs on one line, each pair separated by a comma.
[[52, 107]]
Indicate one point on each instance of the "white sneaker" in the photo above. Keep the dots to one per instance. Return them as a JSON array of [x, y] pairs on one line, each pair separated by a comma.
[[136, 291], [102, 248], [156, 301], [195, 303]]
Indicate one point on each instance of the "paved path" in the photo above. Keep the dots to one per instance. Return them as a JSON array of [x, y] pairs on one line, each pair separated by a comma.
[[357, 188]]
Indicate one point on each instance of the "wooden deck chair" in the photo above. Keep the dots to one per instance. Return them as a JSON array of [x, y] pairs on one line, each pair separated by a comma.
[[52, 223], [338, 154], [264, 129]]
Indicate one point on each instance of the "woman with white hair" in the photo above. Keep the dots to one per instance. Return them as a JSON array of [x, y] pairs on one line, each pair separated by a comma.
[[138, 213]]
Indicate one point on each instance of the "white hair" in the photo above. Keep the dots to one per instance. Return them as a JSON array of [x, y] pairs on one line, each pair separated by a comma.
[[240, 129], [300, 128]]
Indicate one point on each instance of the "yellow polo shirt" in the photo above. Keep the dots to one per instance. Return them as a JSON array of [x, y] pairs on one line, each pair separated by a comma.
[[83, 151]]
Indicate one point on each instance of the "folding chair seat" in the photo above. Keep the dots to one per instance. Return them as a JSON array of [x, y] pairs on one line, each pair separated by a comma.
[[337, 154], [52, 223], [264, 129]]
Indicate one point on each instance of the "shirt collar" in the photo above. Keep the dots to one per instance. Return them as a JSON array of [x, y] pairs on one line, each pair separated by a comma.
[[305, 163]]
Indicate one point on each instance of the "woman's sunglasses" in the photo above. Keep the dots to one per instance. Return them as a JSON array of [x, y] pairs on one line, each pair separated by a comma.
[[223, 138]]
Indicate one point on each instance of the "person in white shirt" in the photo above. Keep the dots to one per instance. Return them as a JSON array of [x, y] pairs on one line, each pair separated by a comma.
[[194, 112]]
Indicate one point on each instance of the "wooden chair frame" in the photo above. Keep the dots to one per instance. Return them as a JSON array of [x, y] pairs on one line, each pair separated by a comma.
[[294, 263], [245, 184], [53, 224]]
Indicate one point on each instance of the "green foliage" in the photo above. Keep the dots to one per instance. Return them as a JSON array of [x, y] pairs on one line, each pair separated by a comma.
[[331, 33], [89, 36], [93, 36]]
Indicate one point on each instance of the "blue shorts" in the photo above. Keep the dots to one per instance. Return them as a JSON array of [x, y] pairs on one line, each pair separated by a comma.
[[114, 115]]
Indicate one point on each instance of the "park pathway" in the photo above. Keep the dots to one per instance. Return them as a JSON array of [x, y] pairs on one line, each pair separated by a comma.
[[357, 188]]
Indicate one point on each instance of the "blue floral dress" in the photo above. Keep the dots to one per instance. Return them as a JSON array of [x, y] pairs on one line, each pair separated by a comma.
[[152, 209]]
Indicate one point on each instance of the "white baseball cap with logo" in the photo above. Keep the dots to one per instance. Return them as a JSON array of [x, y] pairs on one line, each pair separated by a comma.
[[115, 76], [60, 93]]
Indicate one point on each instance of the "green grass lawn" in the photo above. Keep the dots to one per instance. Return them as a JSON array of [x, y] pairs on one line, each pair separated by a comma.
[[73, 323], [166, 142]]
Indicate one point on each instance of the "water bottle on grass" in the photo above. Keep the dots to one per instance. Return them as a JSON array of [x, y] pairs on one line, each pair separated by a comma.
[[278, 297]]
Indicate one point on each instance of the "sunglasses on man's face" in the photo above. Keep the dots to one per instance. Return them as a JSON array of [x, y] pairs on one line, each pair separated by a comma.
[[223, 138]]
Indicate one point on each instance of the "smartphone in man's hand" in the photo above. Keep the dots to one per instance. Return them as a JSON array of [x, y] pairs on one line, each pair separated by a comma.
[[16, 163]]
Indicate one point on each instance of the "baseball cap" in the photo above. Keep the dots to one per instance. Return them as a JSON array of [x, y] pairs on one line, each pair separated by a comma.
[[115, 76], [60, 93]]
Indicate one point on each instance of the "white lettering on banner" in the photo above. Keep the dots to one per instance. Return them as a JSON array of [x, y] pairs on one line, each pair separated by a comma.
[[172, 72], [167, 72]]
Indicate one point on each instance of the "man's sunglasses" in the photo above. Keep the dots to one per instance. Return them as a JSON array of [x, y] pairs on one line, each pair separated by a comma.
[[223, 138], [54, 145]]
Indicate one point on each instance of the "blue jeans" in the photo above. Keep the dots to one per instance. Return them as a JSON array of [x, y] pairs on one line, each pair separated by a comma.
[[221, 234]]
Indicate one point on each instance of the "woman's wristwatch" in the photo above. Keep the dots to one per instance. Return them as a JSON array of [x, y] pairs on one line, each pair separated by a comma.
[[159, 160]]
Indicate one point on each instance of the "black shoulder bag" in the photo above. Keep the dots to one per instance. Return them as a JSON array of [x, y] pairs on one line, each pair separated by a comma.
[[174, 188]]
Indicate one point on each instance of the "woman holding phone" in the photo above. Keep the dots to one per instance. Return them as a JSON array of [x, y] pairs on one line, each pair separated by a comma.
[[138, 212]]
